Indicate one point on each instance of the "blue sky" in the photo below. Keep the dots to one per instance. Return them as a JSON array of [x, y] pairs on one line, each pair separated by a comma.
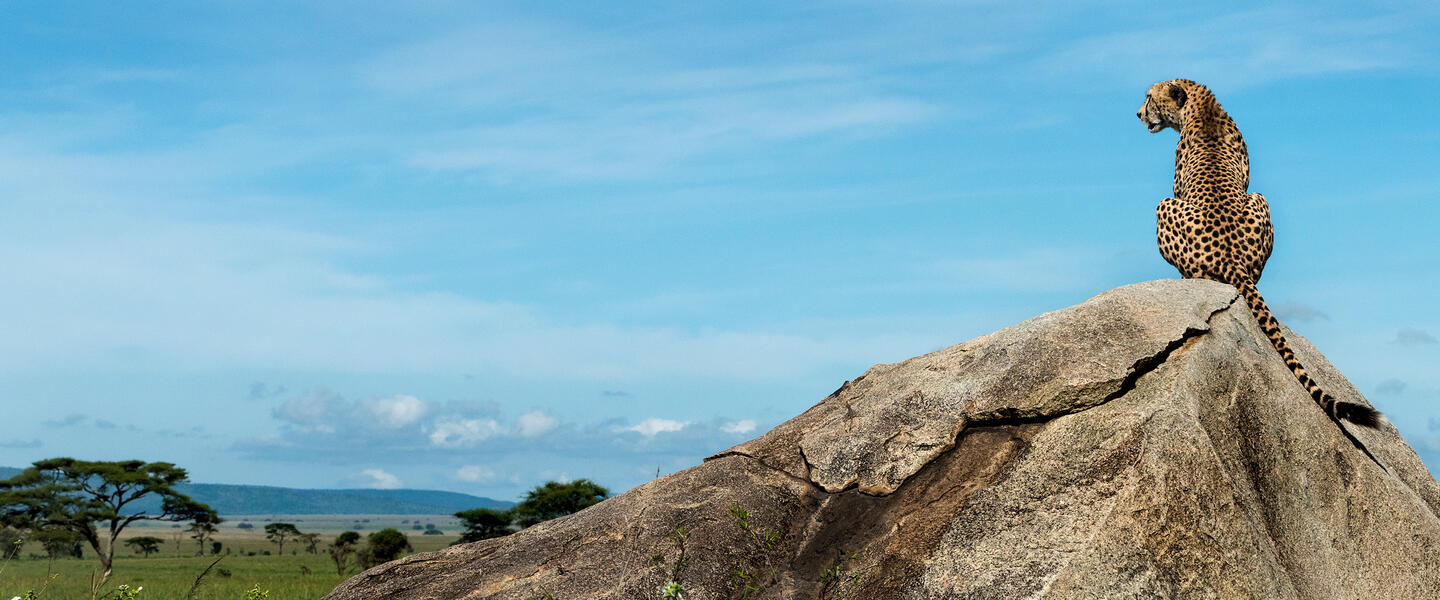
[[476, 246]]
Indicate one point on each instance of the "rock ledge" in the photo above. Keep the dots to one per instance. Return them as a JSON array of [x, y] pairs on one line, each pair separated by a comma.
[[1146, 443]]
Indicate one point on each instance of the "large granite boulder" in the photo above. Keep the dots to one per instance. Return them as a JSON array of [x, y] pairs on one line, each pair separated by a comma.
[[1148, 443]]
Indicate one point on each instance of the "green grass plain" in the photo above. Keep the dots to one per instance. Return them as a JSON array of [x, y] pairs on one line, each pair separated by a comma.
[[168, 574]]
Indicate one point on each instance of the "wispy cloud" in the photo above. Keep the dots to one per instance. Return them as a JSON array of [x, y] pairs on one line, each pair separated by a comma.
[[581, 104], [69, 420], [1299, 311], [1413, 337], [475, 474], [194, 296], [264, 391], [1390, 387], [1235, 49]]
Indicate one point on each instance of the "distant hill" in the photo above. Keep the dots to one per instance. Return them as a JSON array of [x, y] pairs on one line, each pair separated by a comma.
[[265, 500]]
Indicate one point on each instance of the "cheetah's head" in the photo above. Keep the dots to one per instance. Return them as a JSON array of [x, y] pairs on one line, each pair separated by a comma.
[[1163, 105]]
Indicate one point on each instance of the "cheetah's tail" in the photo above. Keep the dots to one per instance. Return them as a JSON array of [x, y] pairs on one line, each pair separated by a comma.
[[1358, 414]]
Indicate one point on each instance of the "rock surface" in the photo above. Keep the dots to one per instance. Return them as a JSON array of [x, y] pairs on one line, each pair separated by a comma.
[[1148, 443]]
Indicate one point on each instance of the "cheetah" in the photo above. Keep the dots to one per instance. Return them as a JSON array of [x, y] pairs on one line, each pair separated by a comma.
[[1214, 228]]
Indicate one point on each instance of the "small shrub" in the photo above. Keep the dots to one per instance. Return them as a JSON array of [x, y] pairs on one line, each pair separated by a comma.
[[836, 573], [672, 591], [759, 570]]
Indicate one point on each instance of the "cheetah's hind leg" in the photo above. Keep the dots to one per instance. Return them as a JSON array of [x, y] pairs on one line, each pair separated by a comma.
[[1259, 210]]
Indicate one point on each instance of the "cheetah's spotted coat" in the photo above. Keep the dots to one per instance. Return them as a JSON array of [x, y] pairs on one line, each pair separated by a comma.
[[1214, 228]]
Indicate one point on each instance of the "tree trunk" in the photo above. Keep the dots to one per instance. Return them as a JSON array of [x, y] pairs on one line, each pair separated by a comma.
[[106, 555], [105, 568]]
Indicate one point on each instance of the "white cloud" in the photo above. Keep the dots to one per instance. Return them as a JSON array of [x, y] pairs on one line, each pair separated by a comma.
[[382, 480], [650, 427], [320, 410], [476, 473], [310, 409], [738, 427], [463, 433], [398, 410], [535, 423]]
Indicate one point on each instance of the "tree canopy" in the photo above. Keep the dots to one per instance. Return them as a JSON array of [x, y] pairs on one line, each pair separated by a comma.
[[77, 495], [483, 524], [146, 545], [387, 544], [311, 541], [349, 538], [202, 528], [342, 548], [555, 499], [279, 532]]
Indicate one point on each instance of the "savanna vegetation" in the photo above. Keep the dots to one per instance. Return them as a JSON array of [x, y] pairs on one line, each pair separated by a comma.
[[545, 502], [72, 529]]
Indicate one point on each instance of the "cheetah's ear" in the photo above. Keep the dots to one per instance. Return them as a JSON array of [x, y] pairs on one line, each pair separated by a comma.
[[1178, 95]]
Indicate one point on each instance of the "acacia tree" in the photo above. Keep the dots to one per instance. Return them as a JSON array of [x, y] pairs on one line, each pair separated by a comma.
[[202, 528], [386, 545], [311, 541], [342, 548], [78, 495], [279, 532], [58, 542], [555, 499], [483, 524], [145, 544]]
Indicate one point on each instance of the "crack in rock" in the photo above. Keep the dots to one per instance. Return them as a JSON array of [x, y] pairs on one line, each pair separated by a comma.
[[760, 461], [1142, 366]]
